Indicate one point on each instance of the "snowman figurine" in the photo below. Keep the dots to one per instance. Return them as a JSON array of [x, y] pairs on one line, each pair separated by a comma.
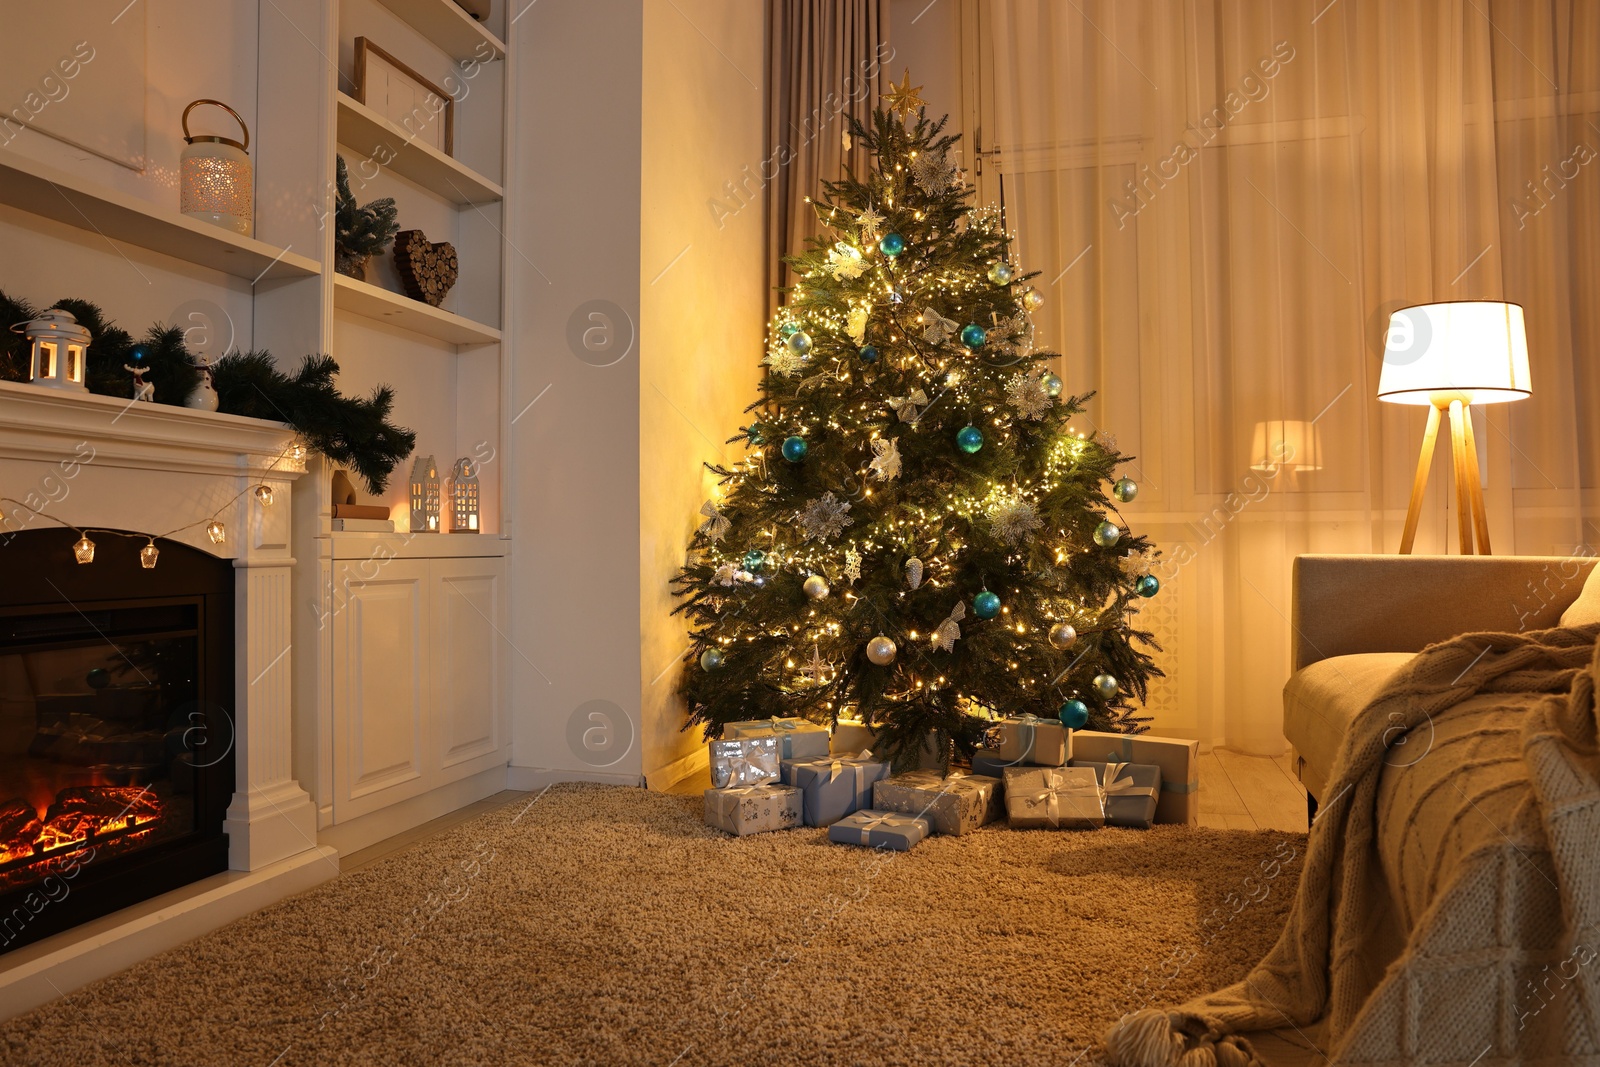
[[204, 397]]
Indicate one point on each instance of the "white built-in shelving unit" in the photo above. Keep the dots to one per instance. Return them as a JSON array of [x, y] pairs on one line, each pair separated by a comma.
[[400, 702]]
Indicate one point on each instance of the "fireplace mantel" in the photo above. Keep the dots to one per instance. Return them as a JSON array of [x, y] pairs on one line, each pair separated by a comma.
[[106, 462]]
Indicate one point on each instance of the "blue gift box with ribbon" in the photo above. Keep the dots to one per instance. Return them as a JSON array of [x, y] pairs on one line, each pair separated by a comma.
[[989, 763], [797, 738], [1178, 759], [834, 786], [1131, 791], [879, 829]]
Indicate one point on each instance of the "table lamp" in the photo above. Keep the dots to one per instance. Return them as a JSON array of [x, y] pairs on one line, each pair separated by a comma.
[[1449, 356]]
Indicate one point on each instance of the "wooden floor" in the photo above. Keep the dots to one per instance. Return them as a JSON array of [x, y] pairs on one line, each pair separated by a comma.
[[1237, 792]]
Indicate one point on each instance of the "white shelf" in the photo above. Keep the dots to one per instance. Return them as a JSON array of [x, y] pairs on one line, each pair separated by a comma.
[[41, 189], [366, 131], [449, 27], [401, 545], [396, 309]]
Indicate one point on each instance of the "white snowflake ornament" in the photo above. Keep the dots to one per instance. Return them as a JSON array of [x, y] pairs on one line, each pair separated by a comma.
[[852, 565], [1029, 395], [1012, 519], [871, 223], [825, 518], [933, 171]]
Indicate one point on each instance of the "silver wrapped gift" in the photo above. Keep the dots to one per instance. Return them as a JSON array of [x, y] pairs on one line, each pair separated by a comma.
[[952, 805], [753, 809], [1028, 739], [1054, 798], [745, 761], [797, 738]]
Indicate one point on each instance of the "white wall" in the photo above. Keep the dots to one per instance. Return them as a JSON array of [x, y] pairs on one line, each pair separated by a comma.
[[576, 91], [703, 313]]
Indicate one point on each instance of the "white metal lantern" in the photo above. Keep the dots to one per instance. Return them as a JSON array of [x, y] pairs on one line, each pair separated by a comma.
[[59, 350], [464, 497], [424, 496], [217, 181]]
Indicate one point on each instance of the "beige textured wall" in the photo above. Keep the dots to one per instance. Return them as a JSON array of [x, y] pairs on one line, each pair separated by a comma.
[[702, 309]]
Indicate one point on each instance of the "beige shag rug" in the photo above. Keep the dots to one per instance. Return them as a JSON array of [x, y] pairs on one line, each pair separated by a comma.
[[603, 925]]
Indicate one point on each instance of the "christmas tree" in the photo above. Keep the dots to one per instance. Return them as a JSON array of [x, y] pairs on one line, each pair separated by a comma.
[[915, 537]]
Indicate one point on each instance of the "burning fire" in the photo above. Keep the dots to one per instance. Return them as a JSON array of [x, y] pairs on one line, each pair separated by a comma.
[[77, 816]]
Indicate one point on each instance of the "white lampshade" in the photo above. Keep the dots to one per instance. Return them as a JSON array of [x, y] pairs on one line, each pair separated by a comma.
[[1286, 444], [1472, 350]]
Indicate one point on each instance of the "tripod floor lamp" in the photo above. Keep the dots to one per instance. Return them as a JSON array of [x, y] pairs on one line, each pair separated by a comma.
[[1450, 356]]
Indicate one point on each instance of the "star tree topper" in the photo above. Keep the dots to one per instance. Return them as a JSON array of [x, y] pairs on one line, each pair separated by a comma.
[[905, 99]]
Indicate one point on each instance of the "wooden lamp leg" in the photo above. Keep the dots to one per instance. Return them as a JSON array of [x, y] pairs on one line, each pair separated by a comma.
[[1480, 516], [1458, 455], [1430, 437]]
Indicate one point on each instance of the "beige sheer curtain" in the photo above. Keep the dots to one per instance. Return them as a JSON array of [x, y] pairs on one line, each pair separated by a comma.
[[828, 62], [1226, 200]]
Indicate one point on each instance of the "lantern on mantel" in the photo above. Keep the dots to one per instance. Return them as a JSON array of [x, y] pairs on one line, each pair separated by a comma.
[[464, 497], [58, 350], [217, 183], [424, 496]]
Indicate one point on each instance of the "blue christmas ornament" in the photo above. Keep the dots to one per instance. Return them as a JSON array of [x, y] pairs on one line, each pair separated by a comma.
[[1105, 535], [868, 354], [753, 560], [892, 244], [1074, 714], [794, 449], [1052, 384], [710, 659], [1148, 586], [970, 439], [986, 605], [1105, 685], [788, 330], [973, 335], [800, 343]]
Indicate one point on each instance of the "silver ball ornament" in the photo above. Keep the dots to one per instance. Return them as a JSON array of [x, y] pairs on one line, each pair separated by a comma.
[[1001, 273], [816, 587], [1052, 384], [1032, 300], [1125, 489], [1106, 534], [1063, 636], [1105, 685], [711, 659], [881, 650]]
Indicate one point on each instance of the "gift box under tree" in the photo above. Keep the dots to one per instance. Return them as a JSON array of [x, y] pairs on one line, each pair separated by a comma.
[[1131, 791], [879, 829], [1178, 759], [1030, 740], [834, 786], [797, 738], [744, 761], [753, 809], [1055, 798], [952, 805]]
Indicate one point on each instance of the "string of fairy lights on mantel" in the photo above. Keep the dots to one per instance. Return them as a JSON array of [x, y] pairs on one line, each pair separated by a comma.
[[216, 529]]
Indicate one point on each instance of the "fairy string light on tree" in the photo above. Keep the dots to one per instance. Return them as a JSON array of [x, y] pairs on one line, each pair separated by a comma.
[[912, 510]]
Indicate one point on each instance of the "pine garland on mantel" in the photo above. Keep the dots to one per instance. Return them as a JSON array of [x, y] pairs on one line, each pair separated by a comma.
[[350, 431]]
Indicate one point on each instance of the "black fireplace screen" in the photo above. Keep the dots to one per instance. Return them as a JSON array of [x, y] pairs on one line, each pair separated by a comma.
[[116, 744]]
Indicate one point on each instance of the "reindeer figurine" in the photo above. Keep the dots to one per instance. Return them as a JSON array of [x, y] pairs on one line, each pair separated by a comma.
[[142, 390]]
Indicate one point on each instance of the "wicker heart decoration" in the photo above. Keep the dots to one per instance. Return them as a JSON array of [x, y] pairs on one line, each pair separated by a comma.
[[428, 271]]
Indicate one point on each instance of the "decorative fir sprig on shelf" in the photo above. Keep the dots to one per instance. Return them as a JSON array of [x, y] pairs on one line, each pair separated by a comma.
[[360, 231], [901, 379], [353, 432]]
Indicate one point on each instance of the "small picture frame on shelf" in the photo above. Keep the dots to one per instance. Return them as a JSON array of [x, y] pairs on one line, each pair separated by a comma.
[[422, 109]]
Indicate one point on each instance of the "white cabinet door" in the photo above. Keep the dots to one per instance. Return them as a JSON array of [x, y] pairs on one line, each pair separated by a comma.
[[381, 678], [468, 660]]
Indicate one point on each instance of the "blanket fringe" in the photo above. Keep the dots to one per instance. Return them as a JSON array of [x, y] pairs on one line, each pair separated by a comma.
[[1151, 1038]]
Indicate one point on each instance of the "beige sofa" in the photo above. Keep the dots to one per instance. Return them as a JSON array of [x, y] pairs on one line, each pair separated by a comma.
[[1357, 619]]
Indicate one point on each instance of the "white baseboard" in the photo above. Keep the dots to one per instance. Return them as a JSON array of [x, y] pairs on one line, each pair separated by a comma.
[[531, 778], [670, 774], [359, 833], [39, 973]]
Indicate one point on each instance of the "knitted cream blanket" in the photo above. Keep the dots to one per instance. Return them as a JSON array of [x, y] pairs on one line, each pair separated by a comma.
[[1472, 942]]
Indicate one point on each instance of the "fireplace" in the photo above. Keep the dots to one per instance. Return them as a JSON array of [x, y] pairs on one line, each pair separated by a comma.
[[116, 726]]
